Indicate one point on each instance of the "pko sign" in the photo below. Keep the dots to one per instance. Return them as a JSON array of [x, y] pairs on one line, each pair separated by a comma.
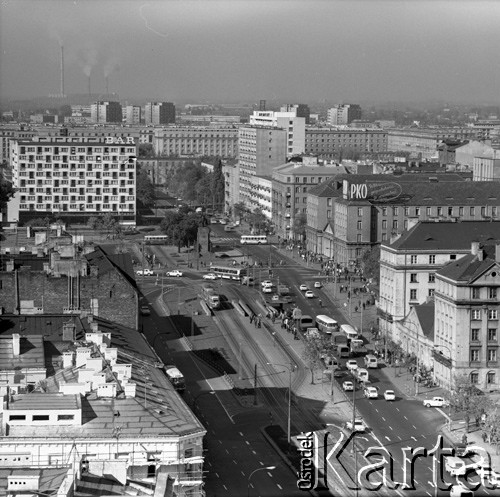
[[120, 140], [375, 192]]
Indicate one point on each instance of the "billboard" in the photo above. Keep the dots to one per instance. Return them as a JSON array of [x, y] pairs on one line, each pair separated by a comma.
[[373, 192]]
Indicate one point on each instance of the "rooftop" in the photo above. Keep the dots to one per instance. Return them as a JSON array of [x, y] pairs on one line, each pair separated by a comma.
[[31, 354]]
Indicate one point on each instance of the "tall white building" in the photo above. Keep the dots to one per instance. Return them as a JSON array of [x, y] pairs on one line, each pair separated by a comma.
[[159, 113], [132, 114], [294, 126], [75, 177], [343, 114], [106, 112]]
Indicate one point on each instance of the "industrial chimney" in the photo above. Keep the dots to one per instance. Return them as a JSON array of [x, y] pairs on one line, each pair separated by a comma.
[[62, 72]]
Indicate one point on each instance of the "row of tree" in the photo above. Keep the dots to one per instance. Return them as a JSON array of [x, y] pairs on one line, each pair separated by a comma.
[[182, 227]]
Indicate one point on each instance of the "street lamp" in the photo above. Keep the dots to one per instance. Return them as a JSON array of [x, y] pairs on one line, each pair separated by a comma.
[[290, 370], [270, 468]]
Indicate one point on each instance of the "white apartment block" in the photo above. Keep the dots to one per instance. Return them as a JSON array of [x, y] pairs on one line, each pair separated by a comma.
[[231, 185], [132, 114], [486, 168], [408, 265], [196, 141], [157, 113], [467, 308], [261, 189], [343, 114], [76, 177], [106, 112], [294, 126]]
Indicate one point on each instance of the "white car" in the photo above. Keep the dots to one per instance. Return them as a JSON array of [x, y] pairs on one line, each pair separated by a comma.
[[435, 402], [223, 221], [371, 393], [317, 284], [389, 395], [275, 297], [460, 491], [309, 294], [175, 273], [146, 272], [267, 284], [351, 364], [494, 480], [303, 287], [359, 425], [209, 276], [267, 289], [348, 386]]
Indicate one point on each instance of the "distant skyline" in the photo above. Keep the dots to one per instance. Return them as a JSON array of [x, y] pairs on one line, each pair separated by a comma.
[[287, 50]]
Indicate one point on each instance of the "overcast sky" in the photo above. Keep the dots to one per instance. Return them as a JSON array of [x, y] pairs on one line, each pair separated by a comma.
[[246, 50]]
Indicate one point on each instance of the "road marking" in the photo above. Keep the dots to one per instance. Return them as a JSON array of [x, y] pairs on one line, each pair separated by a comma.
[[261, 463], [406, 418], [397, 409], [383, 419], [220, 441], [227, 452], [279, 486], [225, 488], [213, 432], [217, 475], [247, 442], [270, 474], [251, 484], [235, 462], [254, 453], [423, 436], [414, 438], [388, 438], [400, 438], [242, 473], [390, 427], [428, 494], [241, 434], [414, 427], [376, 409], [430, 483]]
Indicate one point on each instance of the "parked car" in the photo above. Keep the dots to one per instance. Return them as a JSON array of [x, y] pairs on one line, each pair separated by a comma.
[[351, 364], [317, 284], [348, 386], [176, 273], [267, 289], [435, 402], [359, 425], [460, 491], [275, 297], [303, 287], [145, 272], [371, 393], [209, 276], [267, 284], [309, 294], [389, 395]]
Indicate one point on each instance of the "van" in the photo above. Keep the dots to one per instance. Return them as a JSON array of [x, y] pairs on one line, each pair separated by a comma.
[[312, 333], [455, 466], [371, 361], [349, 331], [343, 350], [305, 322], [326, 324], [362, 375]]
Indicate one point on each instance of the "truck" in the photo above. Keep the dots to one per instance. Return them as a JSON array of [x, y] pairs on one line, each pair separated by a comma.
[[339, 338], [175, 377], [210, 296], [283, 290]]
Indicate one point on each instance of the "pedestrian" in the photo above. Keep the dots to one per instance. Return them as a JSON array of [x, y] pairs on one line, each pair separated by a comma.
[[364, 306], [251, 318], [273, 318], [484, 436], [320, 303]]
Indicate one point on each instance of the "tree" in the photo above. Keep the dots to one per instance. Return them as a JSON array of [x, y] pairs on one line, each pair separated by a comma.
[[218, 184], [258, 220], [299, 226], [370, 261], [144, 188], [240, 209], [182, 229], [314, 348], [94, 223], [6, 193]]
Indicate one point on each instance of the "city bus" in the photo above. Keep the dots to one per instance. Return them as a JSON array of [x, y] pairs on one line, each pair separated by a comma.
[[155, 239], [228, 273], [326, 324], [253, 239]]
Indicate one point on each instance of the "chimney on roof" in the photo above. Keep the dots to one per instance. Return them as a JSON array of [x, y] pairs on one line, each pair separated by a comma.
[[69, 332], [16, 344], [474, 249]]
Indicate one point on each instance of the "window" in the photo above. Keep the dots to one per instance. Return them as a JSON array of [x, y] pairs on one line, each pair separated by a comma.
[[384, 224], [492, 334], [358, 238], [474, 378], [413, 278], [460, 211], [432, 277], [360, 225], [474, 334], [490, 378], [413, 259], [407, 211], [65, 417], [384, 237], [474, 355], [492, 314], [431, 292], [328, 214], [475, 293], [40, 417], [472, 211], [492, 355], [476, 314], [492, 293], [413, 294], [432, 259], [440, 211], [453, 257], [395, 211], [395, 224], [450, 211], [417, 211], [360, 211], [428, 211], [384, 211]]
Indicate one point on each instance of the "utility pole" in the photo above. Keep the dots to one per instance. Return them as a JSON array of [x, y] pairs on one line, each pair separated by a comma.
[[255, 385]]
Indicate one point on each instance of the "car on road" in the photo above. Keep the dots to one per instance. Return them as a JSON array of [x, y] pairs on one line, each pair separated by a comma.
[[435, 402], [460, 491], [145, 272], [371, 392], [348, 386], [176, 273], [267, 284], [145, 310], [288, 299], [317, 284], [267, 289], [351, 364], [389, 395], [209, 276], [494, 479], [359, 425], [223, 221], [303, 288], [275, 297], [213, 221], [309, 294]]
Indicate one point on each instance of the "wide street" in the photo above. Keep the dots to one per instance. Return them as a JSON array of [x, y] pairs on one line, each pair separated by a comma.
[[236, 447]]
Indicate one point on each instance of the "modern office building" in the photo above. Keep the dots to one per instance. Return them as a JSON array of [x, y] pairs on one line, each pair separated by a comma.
[[196, 141], [329, 143], [289, 121], [158, 113], [106, 112], [342, 114], [75, 177]]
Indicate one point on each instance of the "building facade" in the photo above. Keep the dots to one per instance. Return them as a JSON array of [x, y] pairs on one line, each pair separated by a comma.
[[75, 177], [132, 114], [343, 114], [486, 168], [106, 112], [157, 113]]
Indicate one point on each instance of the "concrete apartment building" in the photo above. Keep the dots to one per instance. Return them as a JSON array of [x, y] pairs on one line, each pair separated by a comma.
[[231, 171], [408, 265], [289, 121], [343, 114], [486, 168], [330, 143], [158, 113], [132, 114], [261, 149], [196, 141], [94, 400], [106, 112], [74, 177], [12, 132], [291, 185], [467, 308]]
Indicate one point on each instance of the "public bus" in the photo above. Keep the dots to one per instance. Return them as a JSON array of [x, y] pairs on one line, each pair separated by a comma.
[[326, 324], [155, 239], [254, 239], [228, 273]]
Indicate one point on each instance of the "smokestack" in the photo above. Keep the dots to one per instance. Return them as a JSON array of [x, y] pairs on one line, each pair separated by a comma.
[[62, 71], [90, 93]]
